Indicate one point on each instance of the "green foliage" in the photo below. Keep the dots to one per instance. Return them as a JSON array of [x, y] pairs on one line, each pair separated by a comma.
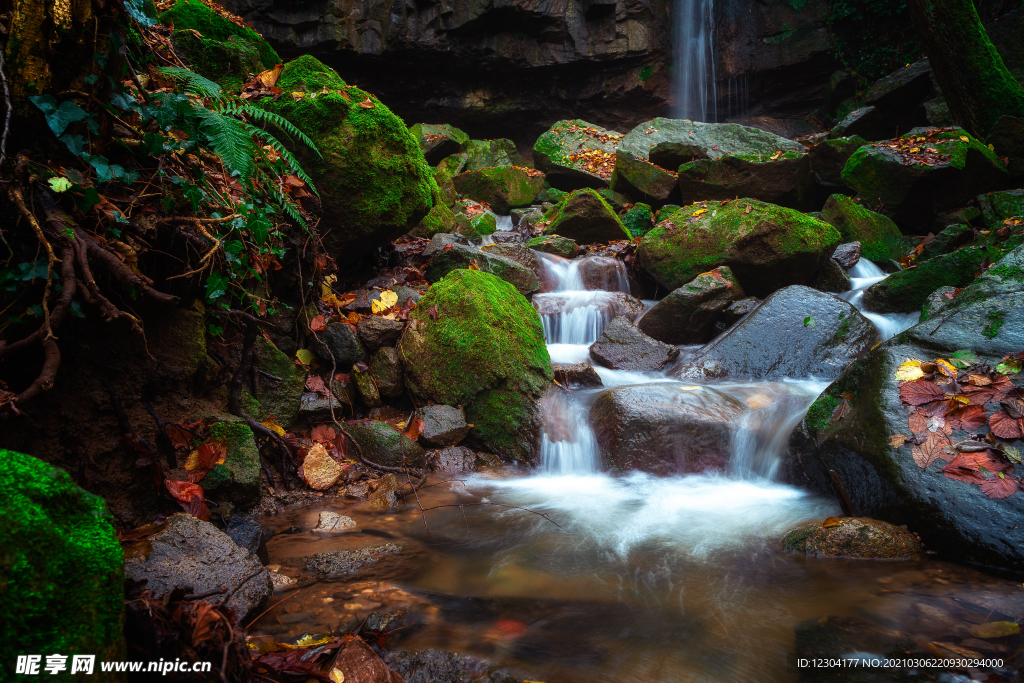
[[192, 14]]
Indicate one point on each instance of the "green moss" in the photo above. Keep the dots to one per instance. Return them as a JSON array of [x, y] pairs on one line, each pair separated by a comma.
[[585, 216], [638, 220], [228, 63], [237, 480], [192, 14], [995, 324], [880, 239], [61, 580], [503, 420], [819, 415], [439, 219], [907, 290], [384, 445], [502, 187]]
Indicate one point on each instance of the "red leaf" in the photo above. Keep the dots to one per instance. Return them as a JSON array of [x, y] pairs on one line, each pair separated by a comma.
[[1004, 426], [968, 467], [918, 421], [323, 434], [968, 418], [931, 450], [317, 324], [996, 391], [197, 508], [183, 490], [316, 383], [180, 435], [414, 430], [432, 311], [1000, 487], [920, 392], [211, 454]]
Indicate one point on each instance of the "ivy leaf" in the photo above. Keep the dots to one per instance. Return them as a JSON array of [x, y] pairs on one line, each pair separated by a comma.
[[58, 117], [808, 321], [216, 286], [259, 226]]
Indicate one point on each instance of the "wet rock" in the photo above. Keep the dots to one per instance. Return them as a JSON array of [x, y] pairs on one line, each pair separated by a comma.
[[796, 332], [837, 637], [907, 290], [385, 495], [577, 375], [949, 240], [376, 331], [386, 372], [332, 524], [879, 237], [503, 187], [832, 278], [440, 666], [452, 459], [460, 257], [473, 220], [665, 428], [367, 388], [738, 310], [914, 194], [191, 554], [280, 582], [279, 397], [553, 152], [247, 533], [611, 305], [996, 207], [319, 470], [554, 244], [314, 407], [491, 153], [766, 246], [937, 302], [238, 478], [1007, 137], [441, 240], [382, 444], [853, 538], [438, 141], [341, 340], [348, 562], [623, 347], [603, 273], [442, 425], [584, 216], [688, 314], [515, 251], [643, 180], [527, 218], [782, 179], [866, 122], [847, 255], [497, 369], [828, 158]]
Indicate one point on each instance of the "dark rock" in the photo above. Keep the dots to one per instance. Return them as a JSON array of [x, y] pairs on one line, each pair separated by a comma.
[[586, 218], [443, 426], [1007, 137], [341, 340], [376, 331], [937, 302], [405, 293], [441, 240], [900, 97], [847, 255], [738, 310], [785, 180], [791, 129], [853, 538], [665, 428], [554, 244], [440, 666], [866, 122], [796, 332], [386, 372], [460, 257], [641, 179], [279, 398], [949, 240], [382, 444], [577, 375], [623, 347], [315, 407], [237, 479], [831, 278], [348, 562], [369, 394], [828, 159], [906, 291], [879, 237], [996, 207], [937, 112], [604, 273], [452, 459], [515, 251], [438, 141], [247, 533], [688, 314], [191, 554], [964, 216]]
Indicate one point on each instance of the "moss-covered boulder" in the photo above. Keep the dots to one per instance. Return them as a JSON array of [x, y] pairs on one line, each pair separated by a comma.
[[642, 180], [688, 314], [638, 220], [503, 187], [490, 153], [472, 219], [879, 237], [384, 445], [853, 538], [554, 244], [485, 351], [584, 216], [440, 219], [906, 291], [237, 479], [193, 14], [438, 141], [996, 207], [459, 256], [914, 192], [782, 178], [828, 158], [672, 142], [373, 181], [575, 154], [279, 399], [766, 246], [948, 240], [226, 62], [61, 582]]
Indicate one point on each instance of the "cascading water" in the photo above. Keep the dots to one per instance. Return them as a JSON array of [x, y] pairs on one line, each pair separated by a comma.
[[694, 60], [863, 275]]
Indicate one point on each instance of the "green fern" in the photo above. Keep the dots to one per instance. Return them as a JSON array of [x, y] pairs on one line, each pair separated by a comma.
[[269, 117], [230, 140], [194, 83], [288, 206], [293, 163]]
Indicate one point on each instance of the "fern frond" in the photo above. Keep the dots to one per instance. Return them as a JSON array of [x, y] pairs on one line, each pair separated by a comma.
[[274, 119], [230, 140], [288, 207], [293, 163], [194, 83]]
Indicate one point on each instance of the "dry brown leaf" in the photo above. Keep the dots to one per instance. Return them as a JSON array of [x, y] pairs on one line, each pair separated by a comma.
[[366, 104], [931, 450], [897, 440], [920, 392]]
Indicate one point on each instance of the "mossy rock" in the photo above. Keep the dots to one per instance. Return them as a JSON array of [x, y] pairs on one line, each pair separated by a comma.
[[554, 244], [279, 399], [192, 14], [996, 207], [672, 142], [554, 153], [384, 445], [438, 141], [616, 200], [785, 180], [459, 256], [472, 221], [907, 290], [879, 237], [439, 219], [766, 246], [914, 194], [642, 180], [61, 577], [584, 216], [490, 153], [503, 187], [853, 538], [226, 62], [487, 337], [828, 158], [373, 181], [638, 220], [237, 479], [948, 240]]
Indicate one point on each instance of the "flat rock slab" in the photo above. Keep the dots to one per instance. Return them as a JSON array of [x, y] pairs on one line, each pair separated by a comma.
[[623, 347], [346, 562]]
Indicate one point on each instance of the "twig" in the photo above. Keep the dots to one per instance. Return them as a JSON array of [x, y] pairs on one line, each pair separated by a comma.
[[243, 582], [257, 617], [180, 220], [14, 192], [7, 110]]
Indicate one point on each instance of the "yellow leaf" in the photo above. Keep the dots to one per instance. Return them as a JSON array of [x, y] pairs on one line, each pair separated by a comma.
[[269, 77], [474, 266], [994, 629], [699, 212], [387, 300], [193, 461], [897, 440], [991, 147], [959, 398], [298, 96], [915, 150], [305, 356], [945, 367], [831, 522], [274, 427], [309, 640], [965, 138], [909, 371], [336, 675], [331, 300]]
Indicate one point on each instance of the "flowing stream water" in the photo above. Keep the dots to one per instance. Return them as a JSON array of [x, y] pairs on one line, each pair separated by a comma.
[[694, 60], [568, 573]]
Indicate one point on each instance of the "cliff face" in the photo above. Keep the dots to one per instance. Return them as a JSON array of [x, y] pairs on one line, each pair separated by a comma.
[[500, 67]]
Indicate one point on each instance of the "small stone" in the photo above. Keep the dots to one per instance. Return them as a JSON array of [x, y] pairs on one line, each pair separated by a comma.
[[847, 255], [247, 533], [319, 470], [386, 372], [341, 340], [443, 425], [454, 459], [376, 331], [368, 392], [331, 523], [577, 375], [854, 538], [343, 562], [384, 495]]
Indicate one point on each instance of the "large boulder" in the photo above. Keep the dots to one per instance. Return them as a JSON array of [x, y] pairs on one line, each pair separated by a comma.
[[688, 314], [193, 15], [672, 142], [575, 154], [462, 257], [438, 141], [489, 153], [503, 187], [61, 582], [584, 216], [996, 207], [192, 554], [891, 456], [796, 332], [879, 238], [766, 246], [475, 341], [373, 181], [554, 244], [623, 347], [907, 290], [665, 428], [643, 180], [915, 184], [782, 178], [828, 158]]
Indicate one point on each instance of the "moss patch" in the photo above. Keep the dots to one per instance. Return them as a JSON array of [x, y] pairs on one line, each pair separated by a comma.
[[638, 220], [879, 237], [907, 290], [237, 480], [192, 14]]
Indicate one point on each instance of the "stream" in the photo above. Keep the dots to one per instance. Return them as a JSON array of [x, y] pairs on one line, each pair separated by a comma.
[[567, 573]]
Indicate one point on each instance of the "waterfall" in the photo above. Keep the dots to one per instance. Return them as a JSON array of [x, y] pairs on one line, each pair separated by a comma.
[[694, 61], [863, 275]]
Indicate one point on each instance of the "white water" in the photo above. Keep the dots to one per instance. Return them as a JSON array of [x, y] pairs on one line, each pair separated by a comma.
[[504, 223], [694, 60], [862, 276]]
